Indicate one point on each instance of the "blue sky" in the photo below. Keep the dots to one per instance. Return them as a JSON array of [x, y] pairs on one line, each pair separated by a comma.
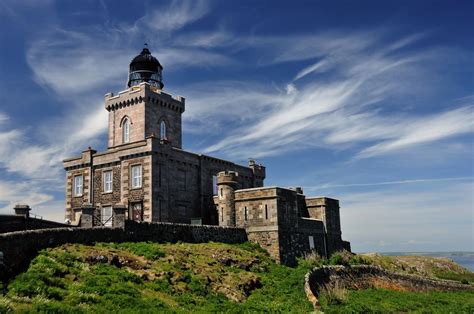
[[369, 102]]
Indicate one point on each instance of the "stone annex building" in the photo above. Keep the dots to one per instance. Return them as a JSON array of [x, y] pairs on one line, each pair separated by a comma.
[[146, 170]]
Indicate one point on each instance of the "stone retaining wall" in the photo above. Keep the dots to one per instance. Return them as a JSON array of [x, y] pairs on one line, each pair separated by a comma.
[[20, 247], [366, 276], [11, 223]]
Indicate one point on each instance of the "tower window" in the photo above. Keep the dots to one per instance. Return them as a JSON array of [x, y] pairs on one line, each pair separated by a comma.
[[136, 176], [107, 179], [78, 185], [126, 131], [245, 213], [266, 212], [163, 130], [214, 185]]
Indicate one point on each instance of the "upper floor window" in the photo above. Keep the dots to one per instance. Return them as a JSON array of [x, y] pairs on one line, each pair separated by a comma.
[[107, 179], [126, 130], [137, 176], [163, 130], [78, 185]]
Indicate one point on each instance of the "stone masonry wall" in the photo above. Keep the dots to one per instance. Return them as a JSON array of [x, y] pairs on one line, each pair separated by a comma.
[[267, 239], [10, 223], [367, 276], [20, 247], [107, 198], [136, 115]]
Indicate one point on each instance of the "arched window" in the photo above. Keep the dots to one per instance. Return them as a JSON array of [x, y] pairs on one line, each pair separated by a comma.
[[163, 130], [126, 130]]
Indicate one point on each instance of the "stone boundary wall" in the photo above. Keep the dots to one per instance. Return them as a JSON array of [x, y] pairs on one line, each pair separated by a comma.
[[19, 248], [366, 276], [12, 223]]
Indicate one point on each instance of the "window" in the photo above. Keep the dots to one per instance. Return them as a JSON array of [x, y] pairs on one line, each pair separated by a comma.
[[311, 242], [107, 180], [222, 213], [126, 131], [137, 176], [245, 213], [106, 217], [222, 193], [78, 185], [266, 212], [214, 185], [181, 178], [163, 130]]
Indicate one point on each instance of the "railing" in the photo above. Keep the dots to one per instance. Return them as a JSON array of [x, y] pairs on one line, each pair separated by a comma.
[[31, 215], [97, 221]]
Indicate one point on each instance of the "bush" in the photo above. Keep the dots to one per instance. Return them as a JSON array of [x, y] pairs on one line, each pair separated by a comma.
[[334, 295], [311, 260], [344, 258]]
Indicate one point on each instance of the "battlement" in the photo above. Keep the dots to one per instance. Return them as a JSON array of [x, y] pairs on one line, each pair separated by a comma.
[[144, 92], [227, 177], [258, 169], [322, 201]]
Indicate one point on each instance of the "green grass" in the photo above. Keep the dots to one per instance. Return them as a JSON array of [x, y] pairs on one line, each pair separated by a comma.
[[212, 277], [155, 277], [462, 277], [387, 301]]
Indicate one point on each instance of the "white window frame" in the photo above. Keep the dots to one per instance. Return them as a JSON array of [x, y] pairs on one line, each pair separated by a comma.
[[126, 130], [78, 185], [136, 177], [163, 130], [106, 219], [107, 182]]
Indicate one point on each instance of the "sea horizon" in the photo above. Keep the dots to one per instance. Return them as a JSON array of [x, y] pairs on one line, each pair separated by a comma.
[[463, 258]]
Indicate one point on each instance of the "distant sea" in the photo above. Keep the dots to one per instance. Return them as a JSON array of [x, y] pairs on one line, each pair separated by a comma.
[[465, 259]]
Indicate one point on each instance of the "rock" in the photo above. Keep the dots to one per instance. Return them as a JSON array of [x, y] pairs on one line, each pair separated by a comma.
[[115, 261], [251, 285]]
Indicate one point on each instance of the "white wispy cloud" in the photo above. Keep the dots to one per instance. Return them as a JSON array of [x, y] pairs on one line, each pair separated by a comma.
[[345, 107], [397, 182], [427, 129], [177, 15], [12, 192], [426, 213]]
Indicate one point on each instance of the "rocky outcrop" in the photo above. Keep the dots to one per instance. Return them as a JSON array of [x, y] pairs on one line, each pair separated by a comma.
[[366, 276]]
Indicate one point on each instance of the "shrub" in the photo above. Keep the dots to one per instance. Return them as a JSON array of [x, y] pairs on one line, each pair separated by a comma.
[[334, 295], [359, 260], [341, 258], [311, 260]]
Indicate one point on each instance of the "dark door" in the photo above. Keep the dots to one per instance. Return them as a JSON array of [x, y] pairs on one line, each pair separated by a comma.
[[137, 211]]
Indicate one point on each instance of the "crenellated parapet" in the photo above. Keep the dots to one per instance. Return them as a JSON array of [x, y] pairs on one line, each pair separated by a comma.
[[144, 92], [259, 172]]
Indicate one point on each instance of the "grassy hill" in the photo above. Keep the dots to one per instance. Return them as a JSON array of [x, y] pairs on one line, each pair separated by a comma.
[[212, 277]]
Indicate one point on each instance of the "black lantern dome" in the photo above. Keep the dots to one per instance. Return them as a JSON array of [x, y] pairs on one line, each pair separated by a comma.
[[145, 68]]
